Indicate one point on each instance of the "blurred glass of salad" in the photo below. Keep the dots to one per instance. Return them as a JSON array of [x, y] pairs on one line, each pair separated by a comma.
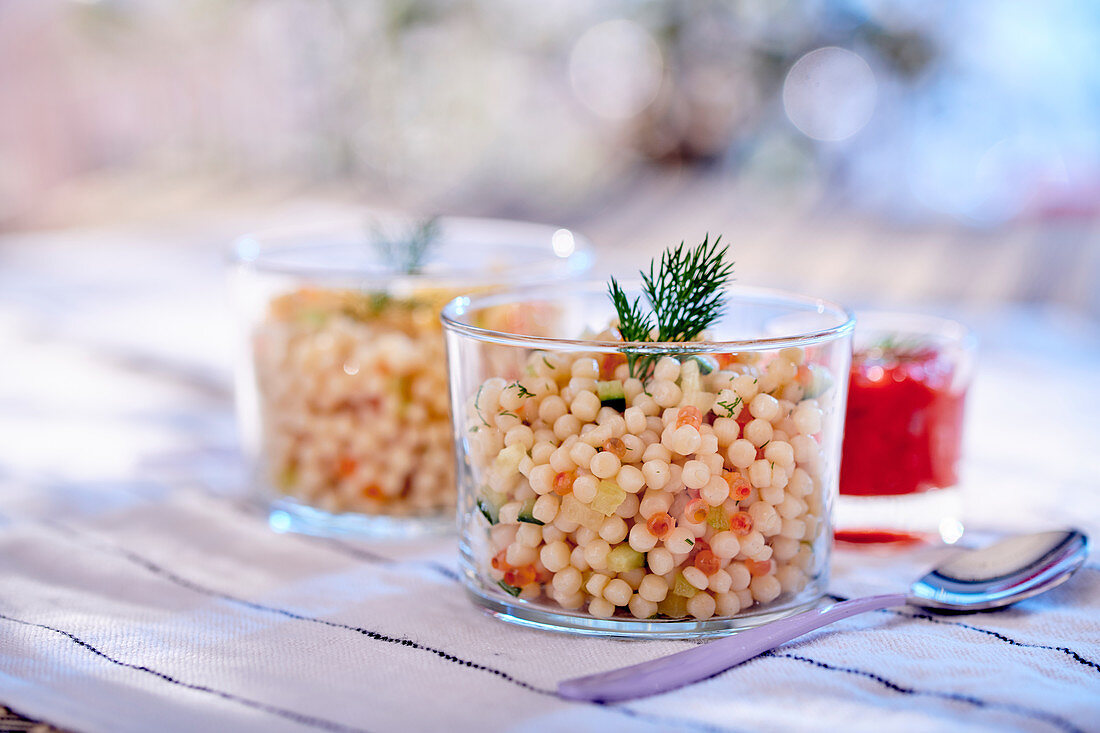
[[343, 395]]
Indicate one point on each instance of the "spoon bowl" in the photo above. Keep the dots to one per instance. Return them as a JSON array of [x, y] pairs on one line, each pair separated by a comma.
[[1003, 573]]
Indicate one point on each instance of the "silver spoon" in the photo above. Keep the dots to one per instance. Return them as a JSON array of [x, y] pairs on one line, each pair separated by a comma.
[[975, 580]]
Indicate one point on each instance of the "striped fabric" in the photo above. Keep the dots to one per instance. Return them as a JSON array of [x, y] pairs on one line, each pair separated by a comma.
[[132, 606]]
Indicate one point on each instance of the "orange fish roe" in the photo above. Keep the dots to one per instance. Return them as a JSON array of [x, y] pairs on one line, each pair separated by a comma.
[[615, 446], [696, 511], [609, 363], [740, 523], [739, 486], [689, 415], [659, 525], [758, 567], [521, 576], [707, 561], [563, 483], [373, 491], [346, 467], [499, 563]]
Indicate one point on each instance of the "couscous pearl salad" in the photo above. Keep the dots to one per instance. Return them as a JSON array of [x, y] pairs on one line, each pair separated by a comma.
[[648, 482], [695, 494], [353, 400]]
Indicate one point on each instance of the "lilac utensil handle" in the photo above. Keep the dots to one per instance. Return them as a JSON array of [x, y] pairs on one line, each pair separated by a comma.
[[706, 660]]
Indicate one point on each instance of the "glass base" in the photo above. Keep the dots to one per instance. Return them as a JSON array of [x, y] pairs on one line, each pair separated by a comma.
[[528, 614], [928, 516], [288, 515]]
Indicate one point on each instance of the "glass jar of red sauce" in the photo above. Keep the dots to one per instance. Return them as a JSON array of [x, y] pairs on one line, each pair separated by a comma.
[[903, 429]]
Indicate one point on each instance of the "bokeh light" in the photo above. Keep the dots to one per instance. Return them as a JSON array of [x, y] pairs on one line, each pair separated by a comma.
[[829, 94], [563, 243], [616, 69]]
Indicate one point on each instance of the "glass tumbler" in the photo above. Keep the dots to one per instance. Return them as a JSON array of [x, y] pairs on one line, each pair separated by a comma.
[[342, 384], [646, 489], [903, 436]]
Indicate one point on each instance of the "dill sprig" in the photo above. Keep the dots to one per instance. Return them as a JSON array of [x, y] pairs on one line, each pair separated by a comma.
[[684, 292], [634, 324], [729, 407], [896, 347], [521, 390], [407, 251]]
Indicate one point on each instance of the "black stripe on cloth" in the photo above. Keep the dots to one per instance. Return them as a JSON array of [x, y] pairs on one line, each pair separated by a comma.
[[173, 578], [168, 575], [165, 574], [359, 553], [1030, 713], [254, 704], [1075, 656]]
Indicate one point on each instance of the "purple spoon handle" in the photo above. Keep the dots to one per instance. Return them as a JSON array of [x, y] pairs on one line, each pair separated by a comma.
[[706, 660]]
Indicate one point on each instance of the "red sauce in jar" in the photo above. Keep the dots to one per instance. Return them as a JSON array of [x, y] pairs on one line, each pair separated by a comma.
[[903, 429]]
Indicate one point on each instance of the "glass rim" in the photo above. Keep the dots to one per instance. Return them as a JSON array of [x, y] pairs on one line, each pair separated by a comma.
[[464, 303], [915, 323], [257, 251]]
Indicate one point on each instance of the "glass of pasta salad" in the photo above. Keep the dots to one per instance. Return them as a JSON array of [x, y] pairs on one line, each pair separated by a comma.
[[659, 460], [342, 388]]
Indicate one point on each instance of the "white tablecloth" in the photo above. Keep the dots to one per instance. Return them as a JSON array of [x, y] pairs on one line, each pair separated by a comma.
[[139, 591], [134, 607]]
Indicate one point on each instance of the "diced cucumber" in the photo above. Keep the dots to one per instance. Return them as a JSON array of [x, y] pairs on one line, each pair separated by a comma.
[[489, 511], [609, 495], [489, 504], [313, 317], [509, 589], [682, 587], [612, 394], [707, 364], [506, 464], [577, 511], [820, 381], [623, 558], [690, 383], [525, 514], [401, 387], [673, 606], [718, 518], [288, 477]]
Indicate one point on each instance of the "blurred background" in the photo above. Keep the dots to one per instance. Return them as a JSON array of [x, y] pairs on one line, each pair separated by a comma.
[[982, 116], [923, 154], [901, 150], [911, 111], [803, 130]]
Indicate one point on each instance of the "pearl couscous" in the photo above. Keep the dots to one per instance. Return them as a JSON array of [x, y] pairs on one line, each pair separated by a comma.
[[696, 494], [353, 399]]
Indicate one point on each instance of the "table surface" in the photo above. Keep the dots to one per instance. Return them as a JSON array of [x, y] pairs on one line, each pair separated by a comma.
[[119, 471]]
